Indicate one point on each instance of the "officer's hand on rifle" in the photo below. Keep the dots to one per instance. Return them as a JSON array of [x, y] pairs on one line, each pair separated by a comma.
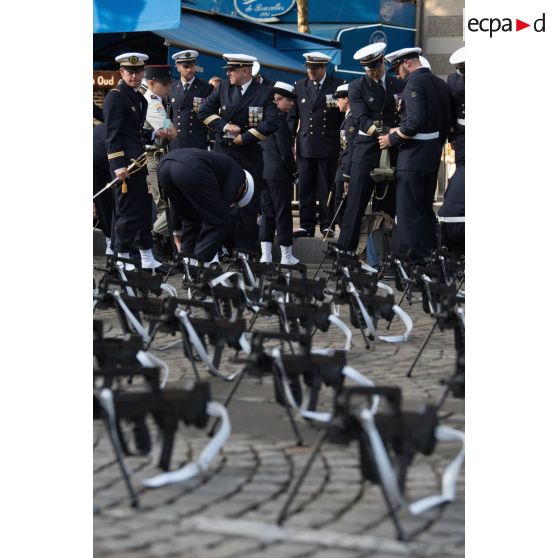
[[345, 188], [384, 141]]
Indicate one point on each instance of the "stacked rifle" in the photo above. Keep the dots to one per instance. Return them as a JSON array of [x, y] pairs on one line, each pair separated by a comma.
[[264, 318]]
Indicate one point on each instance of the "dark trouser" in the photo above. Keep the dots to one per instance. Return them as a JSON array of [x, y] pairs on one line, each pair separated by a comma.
[[132, 219], [250, 159], [459, 143], [366, 157], [104, 205], [316, 180], [276, 211], [416, 221], [360, 189], [208, 219], [339, 189], [454, 206]]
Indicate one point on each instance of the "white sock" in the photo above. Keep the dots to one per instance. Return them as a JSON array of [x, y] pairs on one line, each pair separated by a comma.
[[128, 266], [108, 249], [266, 252], [287, 255], [148, 260]]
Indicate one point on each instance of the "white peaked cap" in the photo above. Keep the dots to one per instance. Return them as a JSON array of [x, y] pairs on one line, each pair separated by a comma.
[[458, 57], [247, 197]]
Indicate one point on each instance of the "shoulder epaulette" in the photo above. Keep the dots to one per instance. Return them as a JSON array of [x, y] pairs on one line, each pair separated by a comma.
[[116, 90]]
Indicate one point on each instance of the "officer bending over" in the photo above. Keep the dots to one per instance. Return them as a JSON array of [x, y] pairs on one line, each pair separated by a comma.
[[206, 188]]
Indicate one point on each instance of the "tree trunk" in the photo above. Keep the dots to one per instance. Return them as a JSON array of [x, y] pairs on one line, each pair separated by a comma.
[[302, 12]]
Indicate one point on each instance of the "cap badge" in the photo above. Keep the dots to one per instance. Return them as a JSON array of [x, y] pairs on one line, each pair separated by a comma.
[[133, 59]]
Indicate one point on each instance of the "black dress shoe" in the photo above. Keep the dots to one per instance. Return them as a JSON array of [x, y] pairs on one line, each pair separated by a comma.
[[303, 233], [328, 233], [163, 269]]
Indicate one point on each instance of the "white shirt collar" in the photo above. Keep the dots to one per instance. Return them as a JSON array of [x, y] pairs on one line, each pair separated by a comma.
[[187, 82], [245, 86]]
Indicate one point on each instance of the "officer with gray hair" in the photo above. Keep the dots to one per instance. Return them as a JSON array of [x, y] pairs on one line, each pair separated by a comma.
[[241, 114]]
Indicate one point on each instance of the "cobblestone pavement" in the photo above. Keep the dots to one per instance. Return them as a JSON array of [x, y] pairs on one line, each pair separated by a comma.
[[230, 512]]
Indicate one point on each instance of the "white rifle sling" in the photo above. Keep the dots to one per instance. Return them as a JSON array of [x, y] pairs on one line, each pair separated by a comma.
[[148, 360], [208, 454], [133, 320], [200, 349]]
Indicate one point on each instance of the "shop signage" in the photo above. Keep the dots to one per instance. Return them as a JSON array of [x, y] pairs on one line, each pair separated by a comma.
[[263, 10]]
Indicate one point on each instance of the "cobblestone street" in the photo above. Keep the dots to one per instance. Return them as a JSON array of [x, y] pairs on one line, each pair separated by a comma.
[[230, 511]]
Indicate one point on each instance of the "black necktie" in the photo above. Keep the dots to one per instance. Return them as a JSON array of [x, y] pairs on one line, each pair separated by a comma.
[[236, 92], [186, 87], [317, 85], [383, 91]]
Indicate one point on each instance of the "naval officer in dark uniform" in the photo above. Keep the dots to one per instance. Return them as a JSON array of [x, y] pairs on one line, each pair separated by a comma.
[[125, 109], [206, 188], [186, 96], [373, 106], [347, 135], [456, 86], [241, 114], [279, 173], [425, 117], [316, 120]]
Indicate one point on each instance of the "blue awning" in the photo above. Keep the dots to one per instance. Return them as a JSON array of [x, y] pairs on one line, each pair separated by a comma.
[[216, 34], [134, 15]]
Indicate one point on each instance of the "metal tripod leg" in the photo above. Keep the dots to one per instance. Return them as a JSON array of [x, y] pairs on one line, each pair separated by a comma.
[[298, 437], [230, 395], [398, 304], [278, 382], [357, 313], [320, 266], [188, 351], [393, 515], [108, 405], [152, 336], [422, 348], [315, 450]]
